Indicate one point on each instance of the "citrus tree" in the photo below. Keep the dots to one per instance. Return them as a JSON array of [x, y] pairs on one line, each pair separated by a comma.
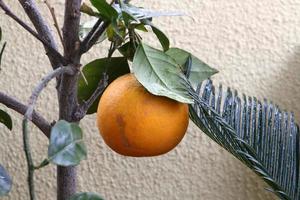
[[143, 99]]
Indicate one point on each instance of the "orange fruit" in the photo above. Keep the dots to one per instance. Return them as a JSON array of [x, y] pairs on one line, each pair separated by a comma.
[[134, 122]]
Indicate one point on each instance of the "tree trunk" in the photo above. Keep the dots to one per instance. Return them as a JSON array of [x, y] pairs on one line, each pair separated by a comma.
[[66, 176], [67, 91], [66, 182]]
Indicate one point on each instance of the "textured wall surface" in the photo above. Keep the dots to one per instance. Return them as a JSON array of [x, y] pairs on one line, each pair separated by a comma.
[[253, 43]]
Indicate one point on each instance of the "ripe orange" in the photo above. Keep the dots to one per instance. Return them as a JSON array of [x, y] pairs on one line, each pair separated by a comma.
[[134, 122]]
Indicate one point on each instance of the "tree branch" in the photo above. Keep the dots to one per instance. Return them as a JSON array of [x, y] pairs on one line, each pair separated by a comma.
[[30, 165], [93, 36], [42, 84], [44, 31], [28, 116], [83, 108], [52, 11], [84, 43], [30, 30], [17, 106]]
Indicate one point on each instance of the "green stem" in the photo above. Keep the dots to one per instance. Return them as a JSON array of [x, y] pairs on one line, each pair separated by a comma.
[[29, 159], [43, 164]]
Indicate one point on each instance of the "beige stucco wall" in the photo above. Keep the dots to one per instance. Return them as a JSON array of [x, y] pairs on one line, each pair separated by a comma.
[[253, 43]]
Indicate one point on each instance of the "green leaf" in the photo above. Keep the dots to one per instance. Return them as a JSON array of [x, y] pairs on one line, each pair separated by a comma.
[[93, 71], [66, 144], [116, 31], [196, 69], [141, 27], [5, 119], [128, 18], [128, 49], [106, 10], [86, 196], [160, 74], [5, 182], [163, 39], [119, 30]]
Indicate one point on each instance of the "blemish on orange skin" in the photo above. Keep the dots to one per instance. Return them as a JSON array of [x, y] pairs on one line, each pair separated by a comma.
[[121, 124]]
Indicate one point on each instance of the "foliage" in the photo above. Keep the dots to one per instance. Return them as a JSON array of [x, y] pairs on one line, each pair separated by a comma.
[[93, 72], [86, 196], [259, 134], [195, 69], [5, 119], [66, 146], [5, 182], [160, 74]]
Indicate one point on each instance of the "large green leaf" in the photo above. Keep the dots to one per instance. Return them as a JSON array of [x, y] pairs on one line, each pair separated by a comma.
[[86, 196], [93, 72], [66, 146], [197, 70], [5, 182], [106, 10], [160, 74], [5, 119]]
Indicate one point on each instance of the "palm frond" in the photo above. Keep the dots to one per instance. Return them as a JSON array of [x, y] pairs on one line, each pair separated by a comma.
[[259, 134]]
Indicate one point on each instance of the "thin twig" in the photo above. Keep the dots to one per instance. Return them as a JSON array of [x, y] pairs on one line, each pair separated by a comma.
[[83, 108], [1, 53], [42, 28], [32, 32], [30, 165], [52, 11], [93, 36], [112, 49], [88, 37], [97, 34], [28, 116]]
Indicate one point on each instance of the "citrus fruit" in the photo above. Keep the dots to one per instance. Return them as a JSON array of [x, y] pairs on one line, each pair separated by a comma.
[[134, 122]]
